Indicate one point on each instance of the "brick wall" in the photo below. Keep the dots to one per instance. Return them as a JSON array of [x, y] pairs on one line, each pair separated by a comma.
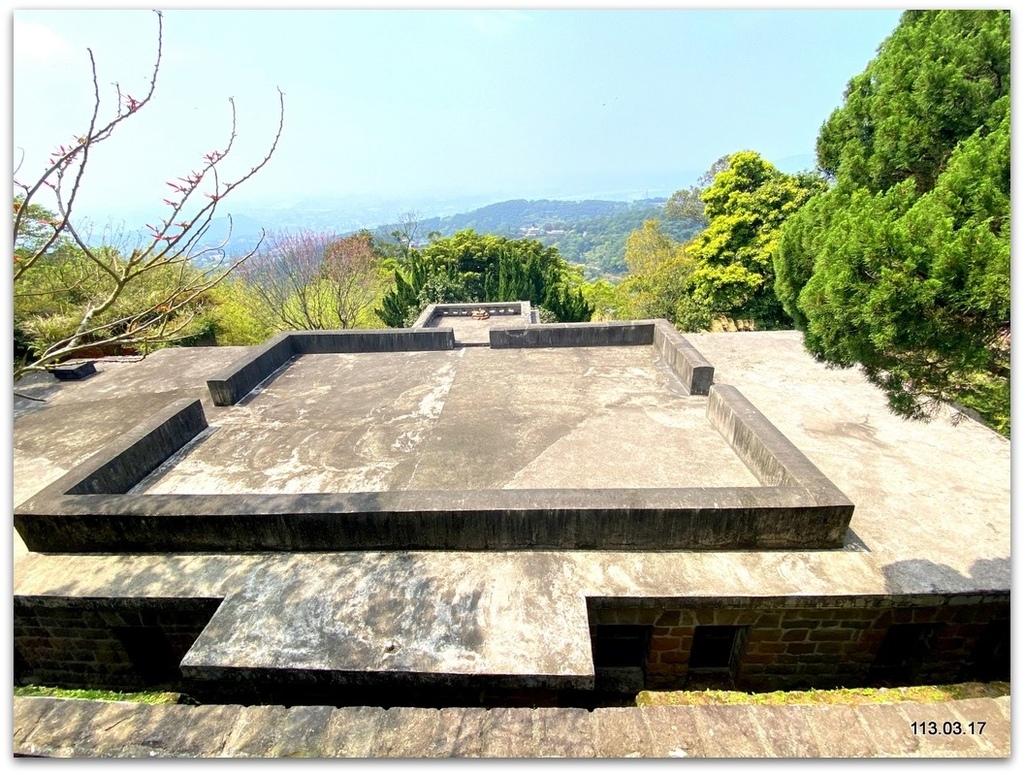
[[836, 643], [125, 645]]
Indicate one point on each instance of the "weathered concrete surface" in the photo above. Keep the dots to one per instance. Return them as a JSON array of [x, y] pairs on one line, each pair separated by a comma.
[[932, 499], [79, 728], [75, 420], [460, 420], [454, 613], [932, 514]]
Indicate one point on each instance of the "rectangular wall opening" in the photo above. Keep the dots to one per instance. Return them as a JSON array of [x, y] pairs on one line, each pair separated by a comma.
[[620, 657], [716, 647], [902, 653], [990, 658]]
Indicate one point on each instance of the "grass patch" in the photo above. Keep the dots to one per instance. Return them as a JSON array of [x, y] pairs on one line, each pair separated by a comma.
[[146, 698], [939, 693]]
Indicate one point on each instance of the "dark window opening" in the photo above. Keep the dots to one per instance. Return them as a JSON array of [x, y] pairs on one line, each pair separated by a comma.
[[621, 645], [153, 658], [620, 657], [716, 647], [990, 659], [903, 651]]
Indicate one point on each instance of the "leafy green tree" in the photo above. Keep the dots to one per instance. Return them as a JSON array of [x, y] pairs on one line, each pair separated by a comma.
[[746, 206], [904, 265], [604, 298], [232, 315], [658, 283], [470, 267]]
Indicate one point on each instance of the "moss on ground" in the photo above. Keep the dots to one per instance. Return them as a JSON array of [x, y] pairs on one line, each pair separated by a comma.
[[147, 698], [861, 696]]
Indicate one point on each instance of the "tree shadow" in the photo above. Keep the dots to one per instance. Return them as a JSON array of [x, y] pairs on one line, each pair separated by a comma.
[[925, 576]]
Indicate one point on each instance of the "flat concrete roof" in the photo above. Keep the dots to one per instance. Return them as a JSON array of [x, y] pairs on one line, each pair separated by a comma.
[[464, 419], [932, 503]]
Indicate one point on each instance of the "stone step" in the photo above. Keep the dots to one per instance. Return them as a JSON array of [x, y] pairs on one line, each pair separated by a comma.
[[47, 727]]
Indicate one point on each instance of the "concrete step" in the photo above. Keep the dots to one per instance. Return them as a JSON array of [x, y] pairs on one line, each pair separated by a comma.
[[46, 727]]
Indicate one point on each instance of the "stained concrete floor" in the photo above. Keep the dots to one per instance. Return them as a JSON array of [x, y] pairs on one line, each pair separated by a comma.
[[932, 516], [465, 419]]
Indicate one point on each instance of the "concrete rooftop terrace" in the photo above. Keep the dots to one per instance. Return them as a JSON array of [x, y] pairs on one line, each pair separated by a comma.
[[932, 506], [463, 419]]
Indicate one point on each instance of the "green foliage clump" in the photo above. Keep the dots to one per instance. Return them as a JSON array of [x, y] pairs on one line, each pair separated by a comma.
[[100, 302], [470, 267], [745, 207], [903, 266], [658, 283]]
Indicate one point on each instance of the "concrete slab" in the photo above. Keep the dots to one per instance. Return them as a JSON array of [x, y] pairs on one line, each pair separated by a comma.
[[888, 730], [675, 733], [621, 733], [465, 419], [932, 501], [786, 729], [838, 731], [351, 732], [47, 727], [730, 732]]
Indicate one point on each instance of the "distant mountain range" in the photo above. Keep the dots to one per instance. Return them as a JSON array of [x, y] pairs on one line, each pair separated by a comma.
[[580, 229]]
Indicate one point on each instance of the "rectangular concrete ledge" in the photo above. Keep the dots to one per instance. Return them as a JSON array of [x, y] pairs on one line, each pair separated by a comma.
[[650, 520], [685, 361], [239, 379], [573, 335], [126, 461], [682, 358], [300, 685], [437, 312], [91, 508], [769, 455]]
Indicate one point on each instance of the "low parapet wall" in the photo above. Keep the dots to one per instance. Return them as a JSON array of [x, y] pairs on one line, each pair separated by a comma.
[[692, 368], [573, 335], [124, 463], [798, 508], [685, 361], [511, 309], [769, 455], [238, 379], [228, 387]]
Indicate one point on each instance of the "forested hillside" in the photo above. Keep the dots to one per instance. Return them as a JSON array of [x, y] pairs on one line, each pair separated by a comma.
[[590, 233]]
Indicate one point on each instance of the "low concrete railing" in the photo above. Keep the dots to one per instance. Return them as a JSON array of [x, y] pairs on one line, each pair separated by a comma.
[[798, 508], [238, 379], [692, 368]]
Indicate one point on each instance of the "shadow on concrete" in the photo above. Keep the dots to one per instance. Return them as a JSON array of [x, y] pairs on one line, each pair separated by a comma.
[[41, 387], [854, 543], [924, 576], [253, 394]]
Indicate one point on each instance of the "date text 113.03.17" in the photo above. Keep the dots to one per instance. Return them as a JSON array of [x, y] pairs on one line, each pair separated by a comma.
[[947, 727]]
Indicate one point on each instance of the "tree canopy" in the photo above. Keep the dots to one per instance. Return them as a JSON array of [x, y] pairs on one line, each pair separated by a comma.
[[471, 267], [903, 265], [745, 208], [658, 284]]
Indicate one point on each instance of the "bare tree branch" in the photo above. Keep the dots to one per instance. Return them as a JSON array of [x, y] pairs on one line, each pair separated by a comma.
[[142, 297]]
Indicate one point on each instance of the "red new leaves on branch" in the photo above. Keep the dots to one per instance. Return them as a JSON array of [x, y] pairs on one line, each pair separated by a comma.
[[139, 297]]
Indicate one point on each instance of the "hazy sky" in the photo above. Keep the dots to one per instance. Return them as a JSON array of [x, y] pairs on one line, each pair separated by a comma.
[[427, 103]]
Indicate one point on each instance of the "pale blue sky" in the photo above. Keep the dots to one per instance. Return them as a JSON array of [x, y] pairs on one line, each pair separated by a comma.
[[421, 104]]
